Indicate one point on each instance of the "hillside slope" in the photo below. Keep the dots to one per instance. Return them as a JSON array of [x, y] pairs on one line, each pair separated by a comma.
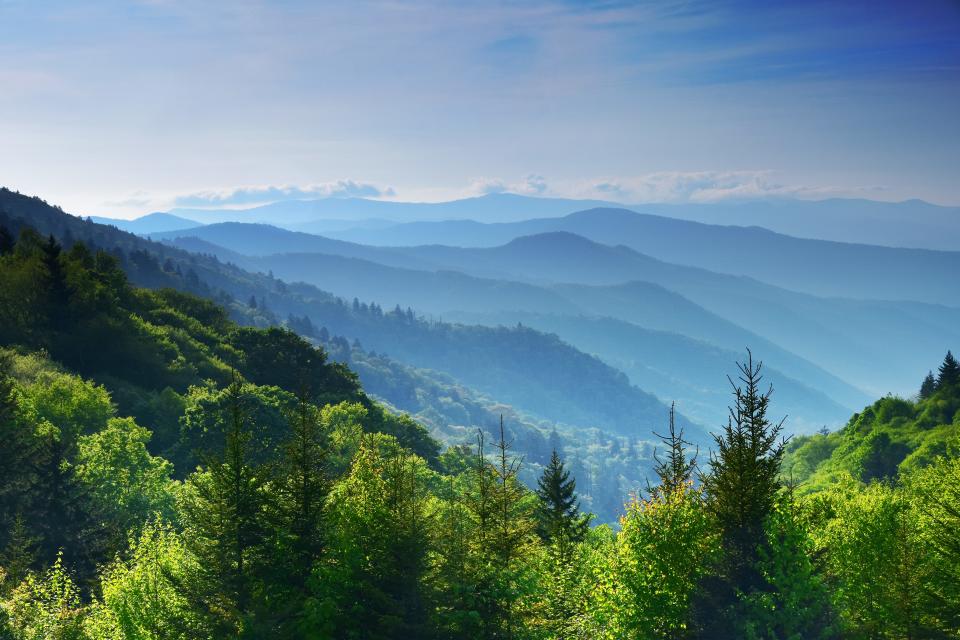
[[492, 359], [893, 436]]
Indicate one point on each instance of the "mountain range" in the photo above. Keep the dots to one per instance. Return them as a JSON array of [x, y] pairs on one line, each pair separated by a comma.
[[911, 223]]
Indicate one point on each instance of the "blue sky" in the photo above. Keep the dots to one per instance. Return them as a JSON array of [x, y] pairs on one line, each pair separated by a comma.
[[121, 108]]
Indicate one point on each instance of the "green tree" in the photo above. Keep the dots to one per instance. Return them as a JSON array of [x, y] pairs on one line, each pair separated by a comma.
[[46, 606], [563, 528], [299, 490], [18, 451], [935, 497], [222, 508], [795, 603], [877, 563], [949, 372], [19, 554], [742, 487], [140, 594], [559, 519], [928, 386], [124, 479], [369, 582], [676, 470], [667, 543]]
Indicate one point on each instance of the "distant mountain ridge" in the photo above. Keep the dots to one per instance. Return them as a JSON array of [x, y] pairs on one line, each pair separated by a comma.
[[150, 223], [841, 335], [817, 267], [656, 312], [912, 223]]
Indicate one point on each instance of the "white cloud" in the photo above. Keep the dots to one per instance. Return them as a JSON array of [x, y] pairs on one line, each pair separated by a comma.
[[274, 193], [531, 185], [706, 186]]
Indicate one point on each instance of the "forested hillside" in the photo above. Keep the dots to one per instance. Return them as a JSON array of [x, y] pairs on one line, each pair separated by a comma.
[[632, 308], [890, 439], [840, 336], [185, 477], [262, 300]]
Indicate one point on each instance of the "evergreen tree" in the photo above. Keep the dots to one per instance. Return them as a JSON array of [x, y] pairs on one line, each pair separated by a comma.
[[19, 554], [949, 372], [559, 519], [55, 284], [513, 525], [928, 386], [676, 471], [563, 528], [223, 510], [741, 487], [63, 508], [369, 582], [303, 486], [7, 241]]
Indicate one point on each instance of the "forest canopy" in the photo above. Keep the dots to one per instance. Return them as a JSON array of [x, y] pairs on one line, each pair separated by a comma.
[[171, 474]]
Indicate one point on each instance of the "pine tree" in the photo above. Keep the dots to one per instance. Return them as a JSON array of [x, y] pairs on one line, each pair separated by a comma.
[[6, 241], [63, 508], [512, 525], [19, 553], [55, 284], [742, 487], [949, 372], [676, 470], [223, 510], [928, 386], [560, 520], [563, 527], [304, 486]]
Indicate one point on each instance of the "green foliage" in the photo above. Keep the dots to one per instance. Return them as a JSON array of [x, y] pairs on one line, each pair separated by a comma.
[[141, 592], [935, 500], [368, 583], [559, 520], [666, 544], [742, 487], [876, 563], [122, 475], [46, 607], [222, 508], [889, 438], [795, 603]]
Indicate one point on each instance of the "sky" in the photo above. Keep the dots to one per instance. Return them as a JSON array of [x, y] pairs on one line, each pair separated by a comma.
[[122, 108]]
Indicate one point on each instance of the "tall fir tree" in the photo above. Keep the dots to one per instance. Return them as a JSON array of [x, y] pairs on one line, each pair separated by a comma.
[[559, 519], [949, 372], [741, 487], [19, 554], [7, 241], [676, 470], [928, 387], [55, 284], [563, 528], [223, 510]]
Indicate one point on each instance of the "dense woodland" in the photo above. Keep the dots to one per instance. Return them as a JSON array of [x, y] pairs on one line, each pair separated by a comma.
[[168, 473], [609, 465]]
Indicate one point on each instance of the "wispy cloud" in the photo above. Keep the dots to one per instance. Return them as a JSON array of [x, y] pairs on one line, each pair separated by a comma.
[[531, 185], [274, 193], [673, 187]]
